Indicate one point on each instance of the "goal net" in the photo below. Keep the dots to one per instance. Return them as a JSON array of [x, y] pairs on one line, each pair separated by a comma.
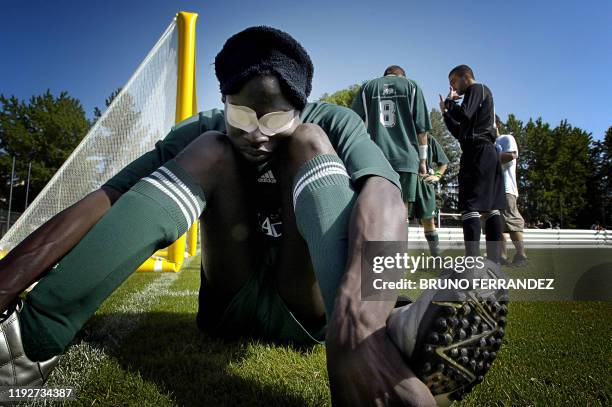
[[141, 114]]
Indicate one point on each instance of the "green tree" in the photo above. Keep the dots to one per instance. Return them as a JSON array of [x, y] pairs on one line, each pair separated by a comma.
[[599, 183], [449, 185], [343, 97], [557, 166], [43, 131], [605, 177]]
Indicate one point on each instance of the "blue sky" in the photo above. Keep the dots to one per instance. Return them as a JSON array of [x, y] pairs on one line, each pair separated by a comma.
[[541, 58]]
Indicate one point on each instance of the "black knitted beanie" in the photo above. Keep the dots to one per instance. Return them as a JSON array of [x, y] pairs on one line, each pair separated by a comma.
[[259, 50]]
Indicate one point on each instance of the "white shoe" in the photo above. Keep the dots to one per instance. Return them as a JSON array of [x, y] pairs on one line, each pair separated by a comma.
[[15, 367]]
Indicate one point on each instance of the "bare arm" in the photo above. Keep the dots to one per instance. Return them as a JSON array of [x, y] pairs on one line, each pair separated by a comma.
[[44, 247], [422, 137], [422, 122], [364, 366], [507, 157], [369, 223]]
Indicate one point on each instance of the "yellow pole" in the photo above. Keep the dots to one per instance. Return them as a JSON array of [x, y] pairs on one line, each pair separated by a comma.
[[185, 108], [185, 98], [192, 241]]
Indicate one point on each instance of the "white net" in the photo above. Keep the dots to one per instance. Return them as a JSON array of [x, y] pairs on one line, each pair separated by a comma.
[[141, 114]]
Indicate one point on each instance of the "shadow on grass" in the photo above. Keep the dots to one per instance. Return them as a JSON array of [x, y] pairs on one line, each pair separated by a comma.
[[168, 350]]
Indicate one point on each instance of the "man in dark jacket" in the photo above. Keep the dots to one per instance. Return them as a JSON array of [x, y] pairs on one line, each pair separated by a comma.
[[481, 183]]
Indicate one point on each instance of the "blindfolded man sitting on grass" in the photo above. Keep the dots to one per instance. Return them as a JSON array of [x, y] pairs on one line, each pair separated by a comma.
[[289, 193]]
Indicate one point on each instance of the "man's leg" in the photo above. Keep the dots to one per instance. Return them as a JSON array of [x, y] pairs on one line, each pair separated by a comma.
[[515, 225], [507, 222], [425, 210], [323, 199], [493, 231], [431, 234], [295, 277], [409, 196], [471, 233], [409, 207], [520, 258], [156, 211], [504, 249], [519, 245]]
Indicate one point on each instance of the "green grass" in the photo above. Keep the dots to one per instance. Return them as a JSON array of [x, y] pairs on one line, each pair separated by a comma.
[[145, 350]]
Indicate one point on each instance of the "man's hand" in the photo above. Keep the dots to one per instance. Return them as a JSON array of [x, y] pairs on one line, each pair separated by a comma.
[[432, 178], [452, 94], [373, 372]]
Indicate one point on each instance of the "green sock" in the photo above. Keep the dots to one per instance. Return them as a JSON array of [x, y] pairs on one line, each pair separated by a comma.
[[151, 215], [323, 200], [433, 241]]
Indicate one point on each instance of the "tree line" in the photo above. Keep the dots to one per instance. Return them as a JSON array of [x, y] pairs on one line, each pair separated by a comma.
[[564, 175]]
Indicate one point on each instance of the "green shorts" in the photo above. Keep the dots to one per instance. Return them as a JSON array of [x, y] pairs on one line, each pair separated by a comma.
[[257, 311], [409, 185], [424, 207]]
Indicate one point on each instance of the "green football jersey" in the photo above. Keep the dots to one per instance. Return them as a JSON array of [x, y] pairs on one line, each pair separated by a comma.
[[394, 110], [435, 153]]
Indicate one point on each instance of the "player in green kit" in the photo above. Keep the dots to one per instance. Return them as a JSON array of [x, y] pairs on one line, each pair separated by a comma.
[[425, 206], [395, 113]]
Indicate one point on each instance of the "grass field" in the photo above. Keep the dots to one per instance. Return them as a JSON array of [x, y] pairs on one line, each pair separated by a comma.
[[142, 348]]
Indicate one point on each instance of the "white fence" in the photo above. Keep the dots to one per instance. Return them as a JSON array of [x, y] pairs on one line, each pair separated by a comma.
[[534, 238]]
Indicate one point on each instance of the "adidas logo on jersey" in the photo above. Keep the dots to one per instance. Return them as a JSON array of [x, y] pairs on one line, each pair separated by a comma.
[[267, 178]]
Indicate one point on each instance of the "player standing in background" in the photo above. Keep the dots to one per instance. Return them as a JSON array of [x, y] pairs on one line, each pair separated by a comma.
[[395, 113], [425, 206], [481, 183], [513, 221]]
